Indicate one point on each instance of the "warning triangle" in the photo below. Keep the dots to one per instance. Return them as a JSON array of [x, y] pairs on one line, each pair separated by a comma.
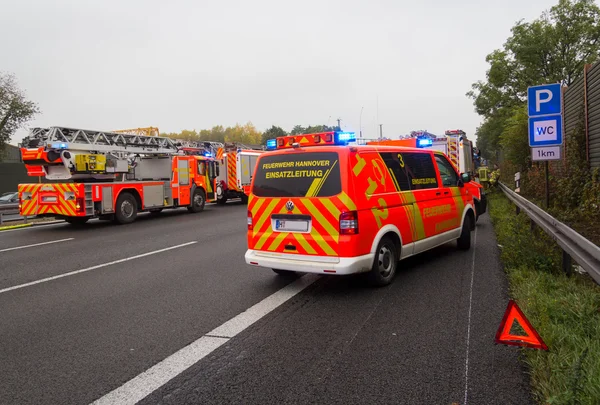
[[530, 339], [304, 140]]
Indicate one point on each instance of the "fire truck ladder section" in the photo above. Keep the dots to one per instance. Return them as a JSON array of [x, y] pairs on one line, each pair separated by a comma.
[[99, 141]]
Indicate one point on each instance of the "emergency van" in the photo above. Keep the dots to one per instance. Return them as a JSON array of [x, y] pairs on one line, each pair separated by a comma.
[[319, 204]]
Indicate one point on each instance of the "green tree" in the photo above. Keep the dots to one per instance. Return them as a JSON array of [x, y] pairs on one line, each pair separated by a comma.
[[15, 109], [551, 49], [272, 133], [297, 130]]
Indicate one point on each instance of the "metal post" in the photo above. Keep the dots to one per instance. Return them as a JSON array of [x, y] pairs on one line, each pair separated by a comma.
[[1, 218], [360, 121], [380, 131], [567, 263], [547, 186]]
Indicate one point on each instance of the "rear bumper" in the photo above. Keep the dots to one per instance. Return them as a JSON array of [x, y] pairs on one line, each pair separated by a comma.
[[310, 264]]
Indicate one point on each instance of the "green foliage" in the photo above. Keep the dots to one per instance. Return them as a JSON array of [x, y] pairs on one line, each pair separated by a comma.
[[15, 109], [514, 137], [551, 49], [564, 310], [272, 133]]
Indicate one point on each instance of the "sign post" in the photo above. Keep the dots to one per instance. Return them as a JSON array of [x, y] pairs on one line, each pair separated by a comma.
[[544, 105]]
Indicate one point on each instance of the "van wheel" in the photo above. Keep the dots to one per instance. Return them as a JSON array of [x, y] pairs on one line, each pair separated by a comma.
[[385, 263], [464, 240], [285, 273], [126, 209], [198, 201]]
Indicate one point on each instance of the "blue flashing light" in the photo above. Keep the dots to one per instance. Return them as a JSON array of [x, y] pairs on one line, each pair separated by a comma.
[[59, 145], [271, 144], [345, 137], [207, 154], [424, 142]]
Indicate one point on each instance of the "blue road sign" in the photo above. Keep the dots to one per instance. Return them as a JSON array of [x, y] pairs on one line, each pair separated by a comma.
[[544, 100], [545, 131]]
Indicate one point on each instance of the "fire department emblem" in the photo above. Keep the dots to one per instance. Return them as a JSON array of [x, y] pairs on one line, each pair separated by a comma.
[[289, 205]]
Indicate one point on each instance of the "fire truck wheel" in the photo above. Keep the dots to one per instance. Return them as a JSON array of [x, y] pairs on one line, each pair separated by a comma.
[[198, 201], [464, 240], [385, 264], [222, 201], [77, 220], [244, 199], [126, 209]]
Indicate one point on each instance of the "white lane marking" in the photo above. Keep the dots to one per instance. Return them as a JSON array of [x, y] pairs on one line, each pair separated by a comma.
[[469, 322], [155, 377], [71, 273], [35, 244]]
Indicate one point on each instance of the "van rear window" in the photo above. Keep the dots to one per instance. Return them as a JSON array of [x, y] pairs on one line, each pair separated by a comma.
[[306, 174]]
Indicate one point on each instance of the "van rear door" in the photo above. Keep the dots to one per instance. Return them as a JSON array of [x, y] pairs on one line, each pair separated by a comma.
[[296, 202]]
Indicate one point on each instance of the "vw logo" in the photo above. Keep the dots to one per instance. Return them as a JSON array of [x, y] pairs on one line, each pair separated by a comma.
[[289, 205]]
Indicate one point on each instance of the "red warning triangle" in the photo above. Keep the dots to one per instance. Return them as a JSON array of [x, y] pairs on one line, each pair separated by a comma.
[[530, 339]]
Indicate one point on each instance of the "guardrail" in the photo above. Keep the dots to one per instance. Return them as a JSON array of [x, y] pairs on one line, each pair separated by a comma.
[[9, 209], [575, 246]]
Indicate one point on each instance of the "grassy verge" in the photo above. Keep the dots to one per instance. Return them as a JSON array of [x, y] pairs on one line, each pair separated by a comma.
[[564, 310]]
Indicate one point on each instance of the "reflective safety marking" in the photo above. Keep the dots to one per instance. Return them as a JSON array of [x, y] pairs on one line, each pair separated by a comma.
[[347, 201], [331, 208], [320, 219], [305, 245], [277, 241], [360, 165], [266, 215]]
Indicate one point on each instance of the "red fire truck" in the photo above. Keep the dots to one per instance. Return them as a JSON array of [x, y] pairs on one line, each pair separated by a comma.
[[237, 164], [110, 175]]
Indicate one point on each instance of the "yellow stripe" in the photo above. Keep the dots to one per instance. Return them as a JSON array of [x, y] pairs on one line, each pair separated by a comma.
[[325, 178], [263, 238], [266, 215], [256, 207], [305, 245], [313, 187], [321, 219], [394, 179], [321, 242], [347, 201], [277, 241], [331, 207]]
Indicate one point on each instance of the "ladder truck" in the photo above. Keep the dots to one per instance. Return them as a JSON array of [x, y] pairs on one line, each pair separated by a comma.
[[237, 163], [111, 176], [459, 150]]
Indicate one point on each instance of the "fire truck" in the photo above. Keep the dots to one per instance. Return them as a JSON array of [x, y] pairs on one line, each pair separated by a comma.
[[459, 150], [111, 176], [237, 163]]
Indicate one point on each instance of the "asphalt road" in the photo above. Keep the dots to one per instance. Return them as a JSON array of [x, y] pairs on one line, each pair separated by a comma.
[[137, 294]]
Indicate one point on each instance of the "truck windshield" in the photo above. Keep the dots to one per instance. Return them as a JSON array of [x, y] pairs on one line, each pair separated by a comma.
[[304, 174]]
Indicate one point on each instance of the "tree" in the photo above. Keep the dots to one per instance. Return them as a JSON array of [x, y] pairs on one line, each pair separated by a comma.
[[15, 109], [297, 130], [272, 133], [551, 49]]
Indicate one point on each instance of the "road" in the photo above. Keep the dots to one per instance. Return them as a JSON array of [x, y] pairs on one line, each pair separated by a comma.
[[158, 311]]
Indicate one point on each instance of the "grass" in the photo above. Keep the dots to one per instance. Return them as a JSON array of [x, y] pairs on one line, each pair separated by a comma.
[[564, 310]]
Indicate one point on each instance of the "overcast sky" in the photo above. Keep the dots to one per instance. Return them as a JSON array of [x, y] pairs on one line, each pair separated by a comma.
[[193, 64]]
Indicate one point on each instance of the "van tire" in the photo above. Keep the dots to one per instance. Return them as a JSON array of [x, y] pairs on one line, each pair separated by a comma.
[[285, 273], [464, 240], [385, 263], [126, 208]]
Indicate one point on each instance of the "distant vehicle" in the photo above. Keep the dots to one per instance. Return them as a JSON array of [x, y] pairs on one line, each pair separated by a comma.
[[10, 198]]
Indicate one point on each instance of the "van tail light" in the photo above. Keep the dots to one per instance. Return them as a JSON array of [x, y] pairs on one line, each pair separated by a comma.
[[349, 223], [80, 205], [250, 226]]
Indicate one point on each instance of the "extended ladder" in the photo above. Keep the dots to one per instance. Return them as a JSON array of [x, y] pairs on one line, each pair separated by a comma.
[[98, 141]]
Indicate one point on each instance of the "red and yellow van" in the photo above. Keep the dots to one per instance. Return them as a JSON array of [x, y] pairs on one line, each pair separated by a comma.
[[321, 205]]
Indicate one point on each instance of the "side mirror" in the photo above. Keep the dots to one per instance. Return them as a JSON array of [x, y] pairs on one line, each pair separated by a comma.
[[465, 177]]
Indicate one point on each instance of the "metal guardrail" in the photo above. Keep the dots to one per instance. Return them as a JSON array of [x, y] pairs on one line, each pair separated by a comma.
[[9, 209], [575, 246]]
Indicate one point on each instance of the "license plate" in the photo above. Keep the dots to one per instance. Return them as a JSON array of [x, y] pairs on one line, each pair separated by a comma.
[[291, 225], [49, 199]]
